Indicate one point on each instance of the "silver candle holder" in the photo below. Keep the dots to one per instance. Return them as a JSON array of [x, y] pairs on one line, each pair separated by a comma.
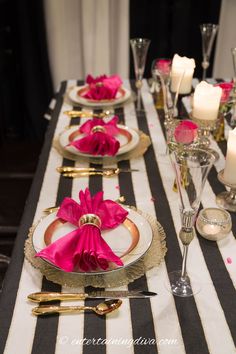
[[204, 133], [227, 199]]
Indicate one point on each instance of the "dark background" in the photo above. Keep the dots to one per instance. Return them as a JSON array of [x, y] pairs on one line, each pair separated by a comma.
[[26, 84], [173, 27]]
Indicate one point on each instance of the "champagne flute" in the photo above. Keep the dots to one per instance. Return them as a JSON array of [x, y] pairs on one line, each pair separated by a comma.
[[191, 166], [139, 49], [208, 32]]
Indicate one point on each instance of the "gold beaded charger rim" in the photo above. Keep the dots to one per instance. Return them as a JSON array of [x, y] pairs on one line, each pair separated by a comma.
[[123, 276], [139, 150]]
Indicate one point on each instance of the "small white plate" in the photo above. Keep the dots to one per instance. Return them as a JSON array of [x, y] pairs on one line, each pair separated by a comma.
[[136, 236], [127, 137], [75, 94]]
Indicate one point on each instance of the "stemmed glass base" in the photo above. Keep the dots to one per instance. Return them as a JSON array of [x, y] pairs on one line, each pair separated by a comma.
[[182, 287]]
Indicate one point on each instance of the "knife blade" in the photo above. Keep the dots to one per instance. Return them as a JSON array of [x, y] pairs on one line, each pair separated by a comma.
[[63, 169], [54, 296]]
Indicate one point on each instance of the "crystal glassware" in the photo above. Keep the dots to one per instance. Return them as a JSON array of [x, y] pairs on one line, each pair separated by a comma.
[[139, 49], [160, 69], [214, 224], [208, 32], [191, 166]]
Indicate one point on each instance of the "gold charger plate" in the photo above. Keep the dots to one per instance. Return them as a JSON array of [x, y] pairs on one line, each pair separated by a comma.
[[153, 257], [140, 149]]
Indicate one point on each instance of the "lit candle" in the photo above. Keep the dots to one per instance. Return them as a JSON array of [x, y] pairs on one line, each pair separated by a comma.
[[209, 229], [206, 101], [230, 162], [180, 66]]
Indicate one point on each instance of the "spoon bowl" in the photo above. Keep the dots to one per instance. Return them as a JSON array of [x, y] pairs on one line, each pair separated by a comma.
[[107, 306], [101, 309]]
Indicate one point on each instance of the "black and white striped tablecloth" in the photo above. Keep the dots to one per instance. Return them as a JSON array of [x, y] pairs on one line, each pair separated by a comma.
[[205, 323]]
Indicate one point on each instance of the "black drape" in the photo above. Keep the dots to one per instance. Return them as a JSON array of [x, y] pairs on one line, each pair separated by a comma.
[[173, 27], [33, 64], [25, 80]]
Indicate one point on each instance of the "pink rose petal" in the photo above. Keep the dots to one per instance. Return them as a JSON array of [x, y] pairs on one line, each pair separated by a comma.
[[117, 187], [229, 260], [153, 199]]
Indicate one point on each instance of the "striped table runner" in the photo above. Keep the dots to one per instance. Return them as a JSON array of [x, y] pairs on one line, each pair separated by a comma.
[[205, 323]]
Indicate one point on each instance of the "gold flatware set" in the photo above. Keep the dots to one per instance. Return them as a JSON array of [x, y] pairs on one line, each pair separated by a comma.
[[88, 114], [101, 309], [74, 172]]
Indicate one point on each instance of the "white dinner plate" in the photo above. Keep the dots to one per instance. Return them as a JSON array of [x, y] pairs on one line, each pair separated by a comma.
[[129, 241], [127, 137], [75, 94]]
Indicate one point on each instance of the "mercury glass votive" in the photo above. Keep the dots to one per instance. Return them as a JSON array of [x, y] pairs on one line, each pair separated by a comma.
[[214, 224]]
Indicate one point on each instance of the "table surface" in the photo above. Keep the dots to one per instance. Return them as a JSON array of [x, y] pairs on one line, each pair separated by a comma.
[[205, 323]]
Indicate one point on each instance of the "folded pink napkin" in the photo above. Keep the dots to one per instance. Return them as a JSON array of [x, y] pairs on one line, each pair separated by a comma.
[[103, 87], [99, 139], [84, 248]]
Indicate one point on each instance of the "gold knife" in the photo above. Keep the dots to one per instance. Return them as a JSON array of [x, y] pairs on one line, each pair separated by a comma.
[[54, 296]]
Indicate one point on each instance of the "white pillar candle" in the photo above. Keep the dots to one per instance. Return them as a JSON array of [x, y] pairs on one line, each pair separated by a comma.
[[230, 162], [206, 101], [180, 66]]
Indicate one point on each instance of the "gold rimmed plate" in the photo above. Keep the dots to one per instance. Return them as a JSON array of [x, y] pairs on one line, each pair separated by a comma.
[[129, 241], [127, 137], [77, 92]]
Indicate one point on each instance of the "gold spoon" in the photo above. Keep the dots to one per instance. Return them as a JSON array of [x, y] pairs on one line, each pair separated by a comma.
[[101, 309]]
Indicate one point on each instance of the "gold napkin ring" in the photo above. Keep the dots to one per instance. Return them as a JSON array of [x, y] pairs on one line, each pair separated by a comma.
[[90, 219], [98, 128]]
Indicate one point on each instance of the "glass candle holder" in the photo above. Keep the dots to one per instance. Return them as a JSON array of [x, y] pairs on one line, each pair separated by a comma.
[[214, 224]]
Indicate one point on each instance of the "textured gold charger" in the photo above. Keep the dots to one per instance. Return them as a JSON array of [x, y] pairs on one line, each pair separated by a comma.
[[122, 276], [139, 150]]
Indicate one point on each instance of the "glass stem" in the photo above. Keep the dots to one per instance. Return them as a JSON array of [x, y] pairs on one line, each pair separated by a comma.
[[184, 262], [139, 99], [204, 74]]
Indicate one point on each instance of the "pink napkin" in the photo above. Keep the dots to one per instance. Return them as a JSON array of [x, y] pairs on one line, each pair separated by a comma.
[[84, 248], [101, 142], [103, 87]]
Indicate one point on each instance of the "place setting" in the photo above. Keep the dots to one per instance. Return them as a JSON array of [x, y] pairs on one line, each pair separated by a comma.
[[102, 92], [101, 140], [96, 242]]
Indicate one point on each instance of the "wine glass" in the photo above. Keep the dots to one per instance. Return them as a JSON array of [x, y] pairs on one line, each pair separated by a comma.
[[161, 70], [139, 49], [191, 166], [208, 32]]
